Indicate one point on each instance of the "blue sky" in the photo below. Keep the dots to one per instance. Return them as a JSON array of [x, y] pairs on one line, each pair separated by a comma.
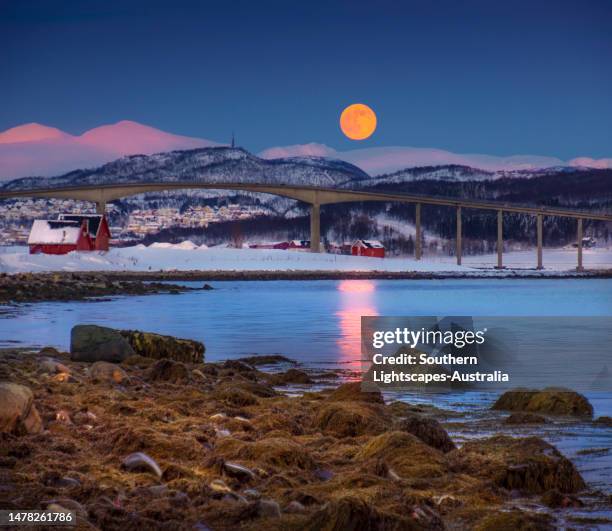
[[476, 76]]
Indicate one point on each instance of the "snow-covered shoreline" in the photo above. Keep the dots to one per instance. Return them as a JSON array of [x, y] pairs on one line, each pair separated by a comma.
[[189, 257]]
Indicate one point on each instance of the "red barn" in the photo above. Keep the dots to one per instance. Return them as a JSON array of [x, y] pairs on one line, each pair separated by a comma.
[[58, 237], [97, 228], [371, 248], [70, 232]]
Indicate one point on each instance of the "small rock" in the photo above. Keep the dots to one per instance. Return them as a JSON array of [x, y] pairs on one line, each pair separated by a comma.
[[102, 371], [555, 500], [218, 485], [604, 421], [295, 507], [51, 366], [139, 461], [323, 475], [66, 504], [222, 433], [67, 483], [158, 490], [292, 376], [268, 509], [169, 371], [238, 366], [252, 494], [207, 287], [446, 501], [63, 417], [63, 377], [237, 471], [49, 352], [18, 414], [84, 417]]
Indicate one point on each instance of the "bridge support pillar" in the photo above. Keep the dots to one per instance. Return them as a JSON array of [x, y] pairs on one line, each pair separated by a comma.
[[315, 228], [418, 252], [539, 240], [500, 239], [100, 207], [458, 240], [579, 267]]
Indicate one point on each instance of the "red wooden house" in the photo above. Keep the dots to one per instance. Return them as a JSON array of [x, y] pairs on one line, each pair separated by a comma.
[[97, 228], [69, 233], [371, 248], [58, 237]]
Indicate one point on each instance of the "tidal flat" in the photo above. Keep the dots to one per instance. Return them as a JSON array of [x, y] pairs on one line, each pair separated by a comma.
[[165, 444]]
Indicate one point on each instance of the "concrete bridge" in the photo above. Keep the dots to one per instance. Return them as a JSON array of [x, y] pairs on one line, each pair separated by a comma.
[[316, 196]]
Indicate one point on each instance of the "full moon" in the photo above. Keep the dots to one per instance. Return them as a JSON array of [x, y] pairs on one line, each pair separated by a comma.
[[358, 121]]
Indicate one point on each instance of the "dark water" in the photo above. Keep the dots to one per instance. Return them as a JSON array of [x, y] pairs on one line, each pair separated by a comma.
[[318, 324]]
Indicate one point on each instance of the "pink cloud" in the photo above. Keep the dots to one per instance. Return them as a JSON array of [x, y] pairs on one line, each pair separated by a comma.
[[588, 162]]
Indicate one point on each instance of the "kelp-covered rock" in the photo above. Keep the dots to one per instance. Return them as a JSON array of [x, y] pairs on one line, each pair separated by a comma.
[[98, 343], [530, 465], [18, 414], [550, 401], [525, 418], [429, 430], [292, 376], [158, 346], [407, 455], [168, 371], [351, 418], [278, 452], [351, 513], [515, 520], [353, 392]]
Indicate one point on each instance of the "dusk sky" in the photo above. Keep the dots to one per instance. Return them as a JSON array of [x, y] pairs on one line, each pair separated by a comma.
[[500, 78]]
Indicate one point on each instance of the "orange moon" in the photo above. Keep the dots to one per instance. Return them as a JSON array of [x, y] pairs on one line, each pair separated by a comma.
[[358, 121]]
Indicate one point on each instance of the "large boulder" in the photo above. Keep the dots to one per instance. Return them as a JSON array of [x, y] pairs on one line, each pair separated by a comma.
[[98, 343], [18, 413], [551, 401], [158, 346], [530, 465]]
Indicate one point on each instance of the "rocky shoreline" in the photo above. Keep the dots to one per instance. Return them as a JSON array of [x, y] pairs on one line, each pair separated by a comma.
[[220, 275], [37, 287], [166, 444]]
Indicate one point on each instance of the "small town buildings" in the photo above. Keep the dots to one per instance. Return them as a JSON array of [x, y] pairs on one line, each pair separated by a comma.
[[372, 248], [70, 232], [299, 245]]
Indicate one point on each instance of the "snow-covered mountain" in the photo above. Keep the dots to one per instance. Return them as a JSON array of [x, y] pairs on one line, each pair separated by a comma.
[[34, 149], [217, 164], [385, 160], [451, 172]]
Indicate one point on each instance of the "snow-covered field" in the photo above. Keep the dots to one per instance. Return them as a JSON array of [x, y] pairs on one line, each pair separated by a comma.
[[187, 256]]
